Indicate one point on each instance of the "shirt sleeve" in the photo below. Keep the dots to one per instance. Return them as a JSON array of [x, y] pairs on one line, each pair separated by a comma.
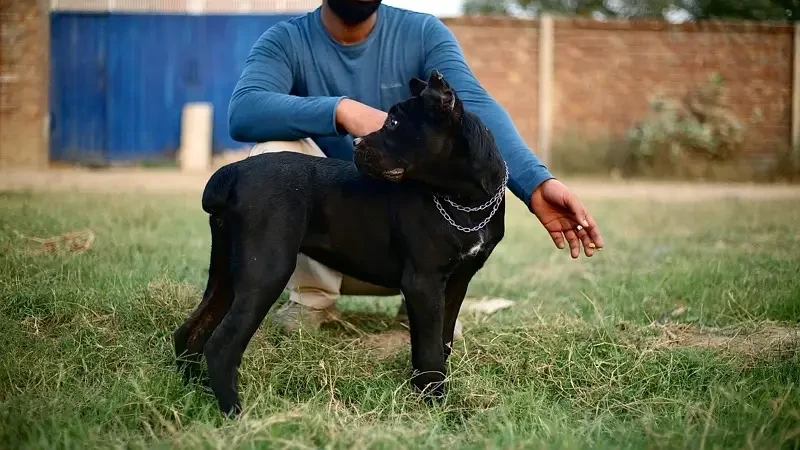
[[442, 52], [261, 108]]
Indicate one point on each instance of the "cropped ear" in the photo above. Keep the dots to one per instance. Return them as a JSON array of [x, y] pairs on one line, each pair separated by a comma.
[[448, 101], [437, 82], [440, 88], [416, 86]]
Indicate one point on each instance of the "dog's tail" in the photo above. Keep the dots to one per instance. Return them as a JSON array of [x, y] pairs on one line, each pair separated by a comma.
[[218, 189]]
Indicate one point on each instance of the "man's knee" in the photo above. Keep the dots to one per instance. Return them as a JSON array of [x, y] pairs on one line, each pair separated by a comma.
[[313, 284], [306, 146], [353, 286]]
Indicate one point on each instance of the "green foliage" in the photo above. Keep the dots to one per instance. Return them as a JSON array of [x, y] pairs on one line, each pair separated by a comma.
[[572, 154], [786, 166], [778, 10], [696, 136], [486, 7], [700, 126]]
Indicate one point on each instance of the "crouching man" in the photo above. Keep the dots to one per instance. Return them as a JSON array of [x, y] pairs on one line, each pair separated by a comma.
[[313, 83]]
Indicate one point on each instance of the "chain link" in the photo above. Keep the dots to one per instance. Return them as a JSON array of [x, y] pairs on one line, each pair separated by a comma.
[[497, 196], [494, 202]]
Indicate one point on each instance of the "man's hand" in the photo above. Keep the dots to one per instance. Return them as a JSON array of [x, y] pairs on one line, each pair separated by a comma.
[[359, 119], [561, 213]]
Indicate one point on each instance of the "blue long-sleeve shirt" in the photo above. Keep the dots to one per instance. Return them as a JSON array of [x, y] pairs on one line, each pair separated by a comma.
[[296, 74]]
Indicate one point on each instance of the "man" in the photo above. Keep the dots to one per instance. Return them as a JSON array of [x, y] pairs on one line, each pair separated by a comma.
[[311, 84]]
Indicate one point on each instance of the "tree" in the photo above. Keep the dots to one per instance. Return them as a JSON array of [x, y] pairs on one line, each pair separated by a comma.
[[584, 8], [778, 10]]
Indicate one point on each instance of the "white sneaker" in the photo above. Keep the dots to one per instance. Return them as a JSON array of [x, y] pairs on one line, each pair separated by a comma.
[[458, 330], [292, 316]]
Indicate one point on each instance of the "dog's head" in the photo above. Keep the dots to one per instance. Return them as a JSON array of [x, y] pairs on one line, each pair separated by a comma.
[[419, 136]]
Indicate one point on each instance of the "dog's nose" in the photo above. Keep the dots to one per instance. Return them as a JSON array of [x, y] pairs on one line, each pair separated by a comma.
[[357, 141]]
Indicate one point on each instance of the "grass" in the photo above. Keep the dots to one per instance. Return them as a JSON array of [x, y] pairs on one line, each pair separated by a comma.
[[86, 357]]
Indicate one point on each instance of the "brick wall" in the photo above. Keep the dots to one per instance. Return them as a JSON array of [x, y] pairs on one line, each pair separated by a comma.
[[606, 72], [24, 74], [504, 56]]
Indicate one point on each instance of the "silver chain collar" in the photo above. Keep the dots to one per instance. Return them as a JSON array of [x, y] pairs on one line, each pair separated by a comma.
[[494, 203]]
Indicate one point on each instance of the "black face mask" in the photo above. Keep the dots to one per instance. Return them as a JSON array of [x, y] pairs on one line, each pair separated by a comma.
[[353, 12]]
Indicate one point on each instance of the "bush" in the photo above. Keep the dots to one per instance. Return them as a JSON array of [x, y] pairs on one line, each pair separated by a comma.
[[573, 154], [686, 137], [694, 137], [786, 165]]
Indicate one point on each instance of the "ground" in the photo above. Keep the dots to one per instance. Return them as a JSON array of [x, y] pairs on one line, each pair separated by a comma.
[[682, 333]]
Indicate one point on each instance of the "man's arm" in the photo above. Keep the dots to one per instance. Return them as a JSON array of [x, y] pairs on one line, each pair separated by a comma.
[[261, 108], [443, 52]]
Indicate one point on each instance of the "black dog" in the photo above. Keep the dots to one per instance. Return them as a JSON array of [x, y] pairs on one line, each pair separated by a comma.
[[424, 219]]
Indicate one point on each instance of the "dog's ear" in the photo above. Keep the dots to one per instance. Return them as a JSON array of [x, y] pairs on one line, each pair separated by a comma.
[[447, 97], [416, 86], [437, 82], [448, 101]]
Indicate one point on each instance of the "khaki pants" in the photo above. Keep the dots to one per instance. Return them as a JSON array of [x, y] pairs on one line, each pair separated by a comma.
[[313, 284]]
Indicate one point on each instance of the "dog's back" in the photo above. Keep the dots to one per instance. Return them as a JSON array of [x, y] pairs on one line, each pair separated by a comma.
[[292, 178]]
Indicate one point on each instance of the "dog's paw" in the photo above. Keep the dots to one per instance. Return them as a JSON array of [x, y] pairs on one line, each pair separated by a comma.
[[193, 372], [179, 339], [231, 410], [430, 384]]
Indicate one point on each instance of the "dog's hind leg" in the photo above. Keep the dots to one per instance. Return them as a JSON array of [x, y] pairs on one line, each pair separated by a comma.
[[256, 288], [191, 337]]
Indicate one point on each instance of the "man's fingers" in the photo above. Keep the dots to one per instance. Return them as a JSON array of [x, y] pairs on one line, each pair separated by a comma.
[[576, 207], [594, 232], [588, 245], [587, 221], [574, 243], [558, 238]]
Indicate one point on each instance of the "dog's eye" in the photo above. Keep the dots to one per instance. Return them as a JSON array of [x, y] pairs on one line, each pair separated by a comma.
[[393, 123]]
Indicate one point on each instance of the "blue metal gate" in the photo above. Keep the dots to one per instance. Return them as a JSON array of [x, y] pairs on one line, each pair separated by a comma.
[[78, 87], [119, 81]]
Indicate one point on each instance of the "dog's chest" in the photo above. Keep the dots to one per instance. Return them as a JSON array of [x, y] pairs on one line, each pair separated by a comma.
[[474, 246]]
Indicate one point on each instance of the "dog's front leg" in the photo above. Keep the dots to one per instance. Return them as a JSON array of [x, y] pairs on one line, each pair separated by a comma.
[[424, 296], [456, 290]]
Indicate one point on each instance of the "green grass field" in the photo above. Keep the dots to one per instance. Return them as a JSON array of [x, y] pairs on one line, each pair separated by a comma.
[[682, 333]]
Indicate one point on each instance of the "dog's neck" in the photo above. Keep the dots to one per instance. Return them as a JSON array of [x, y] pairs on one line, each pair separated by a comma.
[[472, 182], [476, 170]]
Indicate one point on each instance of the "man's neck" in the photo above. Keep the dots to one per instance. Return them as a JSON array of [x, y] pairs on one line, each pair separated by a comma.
[[345, 34]]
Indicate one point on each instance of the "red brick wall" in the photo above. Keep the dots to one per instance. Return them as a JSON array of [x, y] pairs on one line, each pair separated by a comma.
[[606, 72], [504, 56], [24, 75]]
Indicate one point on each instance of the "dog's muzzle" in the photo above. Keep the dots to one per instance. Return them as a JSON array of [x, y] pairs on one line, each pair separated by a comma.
[[369, 162]]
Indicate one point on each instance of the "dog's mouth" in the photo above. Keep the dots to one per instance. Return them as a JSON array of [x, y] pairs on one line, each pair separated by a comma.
[[369, 163], [394, 174]]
